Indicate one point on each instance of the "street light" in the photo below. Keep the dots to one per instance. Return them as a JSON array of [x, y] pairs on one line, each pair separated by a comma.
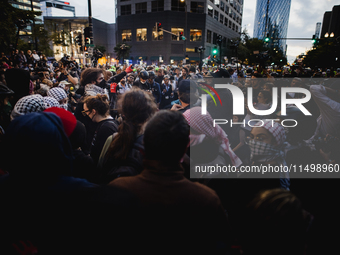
[[331, 35], [326, 35], [185, 27]]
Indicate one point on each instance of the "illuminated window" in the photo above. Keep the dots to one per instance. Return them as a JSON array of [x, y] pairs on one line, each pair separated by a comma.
[[195, 35], [177, 31], [126, 35], [210, 10], [141, 34]]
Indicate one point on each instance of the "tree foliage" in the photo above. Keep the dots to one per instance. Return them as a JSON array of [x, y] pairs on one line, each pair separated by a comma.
[[325, 54], [121, 51], [13, 19]]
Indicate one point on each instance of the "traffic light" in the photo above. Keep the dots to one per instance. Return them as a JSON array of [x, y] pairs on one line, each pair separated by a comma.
[[87, 35], [219, 39], [267, 38], [214, 51], [313, 39], [158, 26], [85, 48], [79, 40], [181, 36]]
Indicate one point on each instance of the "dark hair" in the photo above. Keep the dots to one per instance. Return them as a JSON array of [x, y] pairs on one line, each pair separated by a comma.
[[192, 69], [271, 217], [267, 95], [89, 75], [137, 107], [164, 132], [186, 70], [184, 97], [99, 102]]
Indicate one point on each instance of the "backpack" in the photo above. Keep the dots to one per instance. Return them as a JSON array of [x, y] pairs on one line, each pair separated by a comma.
[[133, 165]]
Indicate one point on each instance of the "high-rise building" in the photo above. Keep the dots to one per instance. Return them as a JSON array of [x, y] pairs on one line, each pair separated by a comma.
[[271, 19], [317, 30], [200, 22], [54, 8], [331, 23], [28, 5]]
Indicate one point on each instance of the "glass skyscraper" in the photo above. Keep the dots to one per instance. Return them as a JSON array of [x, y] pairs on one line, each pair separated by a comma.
[[271, 18]]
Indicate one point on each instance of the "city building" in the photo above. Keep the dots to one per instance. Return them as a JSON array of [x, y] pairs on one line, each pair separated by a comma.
[[317, 30], [331, 23], [200, 22], [28, 5], [64, 31], [53, 8], [271, 20]]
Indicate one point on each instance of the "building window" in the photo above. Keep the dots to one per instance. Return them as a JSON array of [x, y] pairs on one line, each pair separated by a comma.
[[126, 35], [214, 38], [141, 8], [141, 34], [226, 10], [157, 6], [216, 15], [177, 5], [233, 26], [208, 36], [229, 23], [157, 36], [225, 21], [197, 7], [177, 31], [236, 28], [125, 10], [210, 10], [221, 18], [195, 35], [222, 6], [217, 3]]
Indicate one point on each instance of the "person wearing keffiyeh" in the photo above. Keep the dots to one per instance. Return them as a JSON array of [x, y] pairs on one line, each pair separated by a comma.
[[203, 125]]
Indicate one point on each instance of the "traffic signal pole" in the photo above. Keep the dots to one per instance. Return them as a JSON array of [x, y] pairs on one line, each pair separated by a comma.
[[90, 22]]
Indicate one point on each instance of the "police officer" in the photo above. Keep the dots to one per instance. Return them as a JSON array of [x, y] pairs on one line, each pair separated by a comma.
[[147, 82]]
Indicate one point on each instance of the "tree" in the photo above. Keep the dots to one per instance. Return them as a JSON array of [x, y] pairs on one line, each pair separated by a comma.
[[13, 20], [122, 51], [102, 49]]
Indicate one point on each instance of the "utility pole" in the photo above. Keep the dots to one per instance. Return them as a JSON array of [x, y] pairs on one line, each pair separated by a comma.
[[90, 22], [33, 29]]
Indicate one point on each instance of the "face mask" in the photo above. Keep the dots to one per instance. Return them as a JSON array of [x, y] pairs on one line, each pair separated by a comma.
[[263, 152], [101, 84]]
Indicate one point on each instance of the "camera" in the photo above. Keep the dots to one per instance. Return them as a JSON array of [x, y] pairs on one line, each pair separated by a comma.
[[66, 62]]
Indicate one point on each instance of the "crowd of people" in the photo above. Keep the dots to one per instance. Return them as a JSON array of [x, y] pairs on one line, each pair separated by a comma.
[[97, 160]]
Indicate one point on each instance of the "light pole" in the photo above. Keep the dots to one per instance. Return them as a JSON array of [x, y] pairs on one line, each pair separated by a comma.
[[185, 28]]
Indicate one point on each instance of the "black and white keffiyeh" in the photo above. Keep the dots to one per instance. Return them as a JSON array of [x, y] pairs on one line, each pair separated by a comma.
[[28, 104], [57, 93], [51, 102]]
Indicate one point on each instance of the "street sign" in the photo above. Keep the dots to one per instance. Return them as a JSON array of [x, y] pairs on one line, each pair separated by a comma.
[[89, 45]]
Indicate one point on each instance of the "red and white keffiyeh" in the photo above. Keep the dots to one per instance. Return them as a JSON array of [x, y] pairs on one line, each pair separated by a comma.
[[203, 124]]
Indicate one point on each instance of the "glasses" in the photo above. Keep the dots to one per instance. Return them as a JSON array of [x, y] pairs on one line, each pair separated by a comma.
[[84, 112]]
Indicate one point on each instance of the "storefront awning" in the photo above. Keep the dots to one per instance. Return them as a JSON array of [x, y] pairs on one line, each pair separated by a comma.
[[154, 58], [177, 58]]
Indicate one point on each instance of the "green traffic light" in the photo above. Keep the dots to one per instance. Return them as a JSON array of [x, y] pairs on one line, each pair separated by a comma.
[[313, 41], [214, 51], [266, 39]]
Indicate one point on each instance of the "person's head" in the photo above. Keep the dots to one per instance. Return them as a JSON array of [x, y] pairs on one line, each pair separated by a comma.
[[164, 132], [255, 80], [272, 217], [186, 91], [166, 79], [151, 77], [192, 69], [264, 97], [177, 70], [96, 107], [268, 87], [136, 107], [185, 71], [143, 76], [130, 78], [122, 81], [91, 76], [266, 141], [27, 105], [60, 95], [160, 72], [296, 82], [107, 75], [39, 140]]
